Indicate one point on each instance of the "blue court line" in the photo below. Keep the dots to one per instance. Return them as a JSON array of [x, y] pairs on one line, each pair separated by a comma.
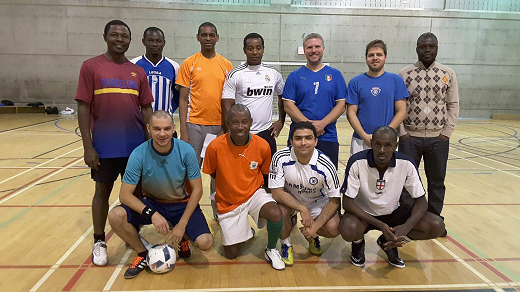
[[483, 255], [56, 124], [39, 202]]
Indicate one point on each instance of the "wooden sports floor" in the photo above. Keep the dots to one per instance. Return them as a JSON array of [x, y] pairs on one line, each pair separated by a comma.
[[46, 227]]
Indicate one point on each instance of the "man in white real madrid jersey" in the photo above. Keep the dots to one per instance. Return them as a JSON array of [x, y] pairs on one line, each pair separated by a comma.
[[160, 70], [254, 85], [372, 186], [304, 179]]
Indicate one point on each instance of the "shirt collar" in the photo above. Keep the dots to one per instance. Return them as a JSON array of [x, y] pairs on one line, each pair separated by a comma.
[[372, 163], [420, 64], [155, 65], [314, 158]]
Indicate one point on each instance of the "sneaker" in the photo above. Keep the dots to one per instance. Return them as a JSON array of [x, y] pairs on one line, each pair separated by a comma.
[[391, 254], [273, 256], [314, 245], [184, 249], [287, 255], [138, 265], [357, 255], [99, 253], [146, 244]]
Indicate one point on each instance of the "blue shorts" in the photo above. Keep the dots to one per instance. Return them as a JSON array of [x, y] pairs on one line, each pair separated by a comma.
[[172, 212]]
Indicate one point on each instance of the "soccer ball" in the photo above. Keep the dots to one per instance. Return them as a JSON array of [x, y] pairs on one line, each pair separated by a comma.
[[161, 258]]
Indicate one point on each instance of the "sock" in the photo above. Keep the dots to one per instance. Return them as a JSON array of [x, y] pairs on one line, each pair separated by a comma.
[[274, 229], [357, 241], [99, 237], [143, 254], [286, 241]]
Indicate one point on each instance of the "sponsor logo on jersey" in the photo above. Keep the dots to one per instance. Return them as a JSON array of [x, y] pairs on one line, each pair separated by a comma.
[[328, 77], [313, 180], [380, 184], [266, 90], [153, 72], [445, 79], [375, 91], [267, 78], [253, 165], [133, 74]]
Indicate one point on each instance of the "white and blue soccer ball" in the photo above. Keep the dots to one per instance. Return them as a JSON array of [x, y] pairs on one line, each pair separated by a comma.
[[161, 258]]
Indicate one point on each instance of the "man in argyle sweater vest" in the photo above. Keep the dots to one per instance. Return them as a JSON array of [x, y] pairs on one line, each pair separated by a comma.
[[432, 112]]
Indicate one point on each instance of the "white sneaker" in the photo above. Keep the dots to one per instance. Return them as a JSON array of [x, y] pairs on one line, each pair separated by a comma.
[[273, 256], [67, 111], [99, 254]]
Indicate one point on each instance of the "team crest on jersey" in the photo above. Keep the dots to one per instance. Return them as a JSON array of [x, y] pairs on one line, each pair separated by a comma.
[[133, 74], [375, 91], [253, 165], [267, 78], [328, 77], [313, 180], [380, 184]]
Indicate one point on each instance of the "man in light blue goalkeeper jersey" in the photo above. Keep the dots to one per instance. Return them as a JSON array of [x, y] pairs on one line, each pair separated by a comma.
[[161, 71]]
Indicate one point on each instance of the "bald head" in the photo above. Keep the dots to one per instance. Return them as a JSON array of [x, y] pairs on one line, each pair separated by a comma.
[[238, 109], [385, 130], [160, 115]]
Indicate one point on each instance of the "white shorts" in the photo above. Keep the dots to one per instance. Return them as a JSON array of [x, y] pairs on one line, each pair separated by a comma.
[[234, 225], [316, 207], [357, 145]]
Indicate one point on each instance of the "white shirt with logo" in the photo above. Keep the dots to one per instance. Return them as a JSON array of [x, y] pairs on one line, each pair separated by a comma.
[[306, 183], [254, 87]]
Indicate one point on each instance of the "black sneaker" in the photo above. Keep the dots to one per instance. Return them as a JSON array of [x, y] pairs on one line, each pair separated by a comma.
[[391, 254], [357, 256], [138, 265], [184, 249]]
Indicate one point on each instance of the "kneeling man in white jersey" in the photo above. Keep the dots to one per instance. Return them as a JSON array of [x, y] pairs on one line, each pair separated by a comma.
[[304, 179]]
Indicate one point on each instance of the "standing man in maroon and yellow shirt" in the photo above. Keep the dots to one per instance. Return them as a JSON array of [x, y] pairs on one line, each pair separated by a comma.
[[113, 99]]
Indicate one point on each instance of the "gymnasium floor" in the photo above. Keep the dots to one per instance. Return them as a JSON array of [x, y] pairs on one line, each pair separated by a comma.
[[46, 233]]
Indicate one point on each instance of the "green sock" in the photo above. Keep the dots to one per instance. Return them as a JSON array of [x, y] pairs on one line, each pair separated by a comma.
[[274, 229]]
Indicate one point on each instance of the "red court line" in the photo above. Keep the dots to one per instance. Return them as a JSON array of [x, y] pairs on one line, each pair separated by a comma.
[[83, 267], [41, 177], [87, 263], [491, 204], [473, 255], [45, 206]]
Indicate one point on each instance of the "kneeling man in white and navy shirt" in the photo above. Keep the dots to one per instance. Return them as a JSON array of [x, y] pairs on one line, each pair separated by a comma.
[[373, 182]]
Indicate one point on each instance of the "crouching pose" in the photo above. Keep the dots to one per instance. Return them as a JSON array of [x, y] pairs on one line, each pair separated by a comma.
[[372, 187], [163, 164], [304, 179]]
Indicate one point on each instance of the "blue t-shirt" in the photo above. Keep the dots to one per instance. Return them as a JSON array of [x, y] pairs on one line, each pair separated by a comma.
[[375, 98], [163, 176], [161, 78], [315, 94]]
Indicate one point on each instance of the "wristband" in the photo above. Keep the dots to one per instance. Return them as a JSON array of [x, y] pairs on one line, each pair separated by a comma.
[[148, 212]]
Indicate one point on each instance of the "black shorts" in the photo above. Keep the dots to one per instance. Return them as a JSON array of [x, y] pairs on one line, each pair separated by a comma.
[[398, 217], [109, 169], [172, 212], [331, 149], [266, 135]]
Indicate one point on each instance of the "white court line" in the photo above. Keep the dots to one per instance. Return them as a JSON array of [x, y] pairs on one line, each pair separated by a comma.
[[38, 181], [117, 271], [508, 146], [327, 288], [38, 166], [66, 255], [28, 126], [500, 170], [471, 135]]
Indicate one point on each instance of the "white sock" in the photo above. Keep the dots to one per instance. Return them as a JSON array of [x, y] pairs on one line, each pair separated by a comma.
[[286, 241]]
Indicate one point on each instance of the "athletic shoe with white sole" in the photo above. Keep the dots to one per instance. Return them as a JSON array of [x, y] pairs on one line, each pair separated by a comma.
[[99, 253], [273, 256]]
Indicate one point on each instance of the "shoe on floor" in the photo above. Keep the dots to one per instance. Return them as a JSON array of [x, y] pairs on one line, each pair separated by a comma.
[[273, 256], [314, 245], [357, 255], [287, 255], [184, 249], [99, 253], [391, 254], [137, 266]]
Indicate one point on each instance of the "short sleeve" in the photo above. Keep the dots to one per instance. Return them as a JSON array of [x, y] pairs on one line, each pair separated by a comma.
[[85, 91], [134, 168], [210, 159], [352, 92], [276, 174], [413, 182], [341, 87], [278, 88], [191, 163], [401, 91], [289, 90], [183, 78], [351, 183], [230, 87]]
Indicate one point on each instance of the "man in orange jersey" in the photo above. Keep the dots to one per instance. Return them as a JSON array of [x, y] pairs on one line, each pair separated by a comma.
[[239, 161], [201, 79]]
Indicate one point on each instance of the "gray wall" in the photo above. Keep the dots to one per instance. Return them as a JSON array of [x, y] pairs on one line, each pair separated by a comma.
[[43, 43]]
